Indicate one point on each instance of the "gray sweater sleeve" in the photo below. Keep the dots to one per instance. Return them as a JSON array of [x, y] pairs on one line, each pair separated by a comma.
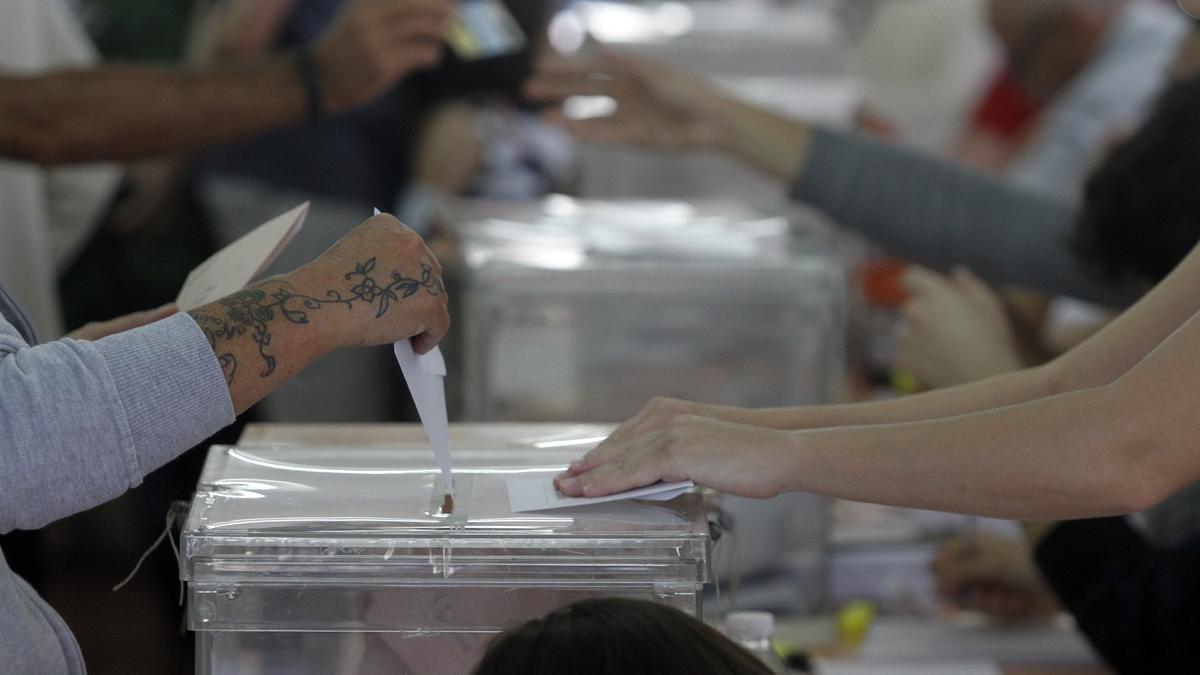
[[939, 214], [81, 422]]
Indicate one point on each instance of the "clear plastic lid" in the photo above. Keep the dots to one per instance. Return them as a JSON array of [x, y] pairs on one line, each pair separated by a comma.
[[561, 232], [357, 513]]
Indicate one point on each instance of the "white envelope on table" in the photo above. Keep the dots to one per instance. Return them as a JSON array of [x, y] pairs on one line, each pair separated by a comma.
[[539, 494], [230, 269]]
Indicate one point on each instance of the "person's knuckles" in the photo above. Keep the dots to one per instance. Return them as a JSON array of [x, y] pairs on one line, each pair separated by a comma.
[[609, 483], [605, 455], [594, 457], [410, 248], [597, 476], [674, 435], [572, 485]]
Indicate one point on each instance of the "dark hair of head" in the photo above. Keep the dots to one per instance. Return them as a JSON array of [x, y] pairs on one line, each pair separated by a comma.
[[616, 636], [1141, 212]]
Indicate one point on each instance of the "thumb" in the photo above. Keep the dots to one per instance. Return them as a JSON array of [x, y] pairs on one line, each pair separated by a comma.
[[149, 316], [143, 318]]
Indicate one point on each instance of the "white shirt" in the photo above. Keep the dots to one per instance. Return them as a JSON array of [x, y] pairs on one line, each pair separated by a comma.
[[1112, 94], [46, 214]]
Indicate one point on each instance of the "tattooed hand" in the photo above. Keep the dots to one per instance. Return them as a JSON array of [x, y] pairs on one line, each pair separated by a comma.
[[378, 284], [393, 283]]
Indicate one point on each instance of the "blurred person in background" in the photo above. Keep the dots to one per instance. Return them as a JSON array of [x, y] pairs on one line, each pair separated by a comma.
[[918, 62], [55, 108], [917, 206], [1076, 73], [1093, 67], [1070, 73], [999, 123], [50, 211], [375, 155], [1131, 598]]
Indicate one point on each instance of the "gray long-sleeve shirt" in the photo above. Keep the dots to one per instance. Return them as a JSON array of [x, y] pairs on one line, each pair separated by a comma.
[[80, 423], [939, 214]]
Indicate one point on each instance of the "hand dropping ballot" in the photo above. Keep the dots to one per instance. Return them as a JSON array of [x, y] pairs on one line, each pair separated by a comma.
[[426, 378]]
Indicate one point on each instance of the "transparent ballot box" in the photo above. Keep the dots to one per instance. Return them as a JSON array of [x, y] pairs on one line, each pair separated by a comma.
[[583, 311], [337, 559]]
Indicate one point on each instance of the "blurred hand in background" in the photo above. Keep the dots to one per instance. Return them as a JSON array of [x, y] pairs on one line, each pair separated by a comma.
[[957, 330], [992, 575], [373, 43], [656, 104]]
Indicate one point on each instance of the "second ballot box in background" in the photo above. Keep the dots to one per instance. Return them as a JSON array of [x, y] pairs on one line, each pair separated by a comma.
[[583, 311]]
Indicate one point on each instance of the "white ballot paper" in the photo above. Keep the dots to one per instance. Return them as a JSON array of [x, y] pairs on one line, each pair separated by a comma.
[[426, 377], [230, 269], [539, 494]]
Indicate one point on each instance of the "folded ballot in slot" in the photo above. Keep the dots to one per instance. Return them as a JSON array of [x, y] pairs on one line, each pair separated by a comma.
[[330, 560]]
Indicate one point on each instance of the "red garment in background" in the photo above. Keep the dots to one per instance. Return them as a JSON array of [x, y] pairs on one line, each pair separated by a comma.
[[1004, 110]]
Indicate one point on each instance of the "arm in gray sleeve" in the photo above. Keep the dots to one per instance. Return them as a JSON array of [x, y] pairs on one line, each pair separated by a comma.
[[81, 422], [938, 214]]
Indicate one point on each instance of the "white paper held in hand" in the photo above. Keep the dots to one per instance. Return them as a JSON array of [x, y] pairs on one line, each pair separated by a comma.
[[539, 494], [230, 269]]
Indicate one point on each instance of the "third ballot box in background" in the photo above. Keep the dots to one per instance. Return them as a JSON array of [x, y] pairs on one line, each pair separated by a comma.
[[582, 311]]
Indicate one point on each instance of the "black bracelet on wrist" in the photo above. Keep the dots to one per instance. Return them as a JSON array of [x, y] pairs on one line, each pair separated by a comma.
[[307, 69]]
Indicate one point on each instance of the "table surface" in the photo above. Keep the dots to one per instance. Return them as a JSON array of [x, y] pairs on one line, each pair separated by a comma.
[[933, 641]]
